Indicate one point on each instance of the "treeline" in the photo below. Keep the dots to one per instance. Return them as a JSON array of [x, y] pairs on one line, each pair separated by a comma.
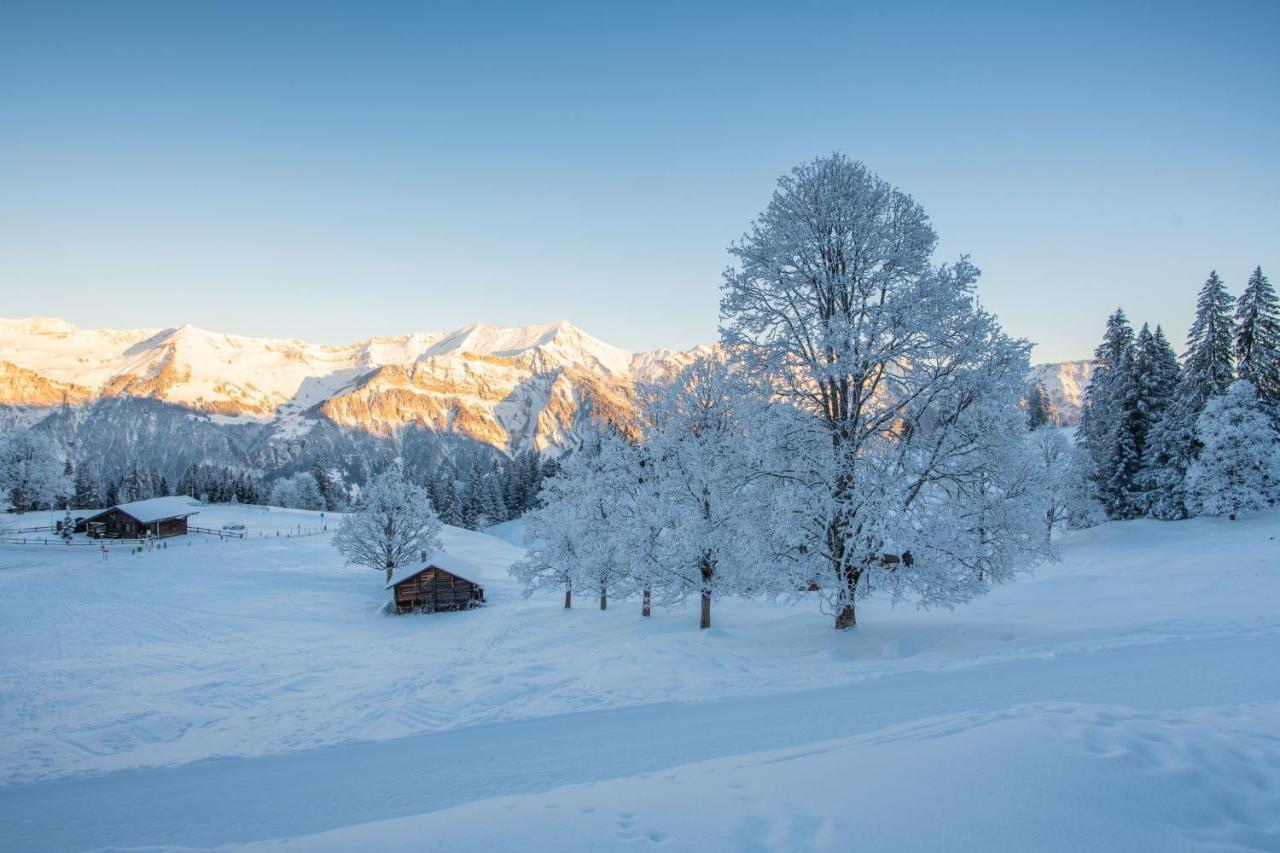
[[1167, 438], [37, 474]]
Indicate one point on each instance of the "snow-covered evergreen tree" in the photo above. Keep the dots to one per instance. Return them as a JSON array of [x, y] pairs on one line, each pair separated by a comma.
[[330, 491], [1208, 366], [1258, 341], [836, 301], [86, 493], [301, 491], [1206, 373], [1039, 407], [391, 524], [1102, 411], [31, 471], [1238, 469]]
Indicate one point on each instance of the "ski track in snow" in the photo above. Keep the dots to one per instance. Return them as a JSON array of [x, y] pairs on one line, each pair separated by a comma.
[[217, 693]]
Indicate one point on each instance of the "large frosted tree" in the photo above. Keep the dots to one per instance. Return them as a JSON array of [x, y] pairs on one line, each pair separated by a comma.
[[391, 524], [1207, 371], [836, 300], [1238, 469], [1257, 341]]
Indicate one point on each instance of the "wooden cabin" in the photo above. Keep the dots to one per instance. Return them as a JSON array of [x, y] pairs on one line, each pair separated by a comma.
[[157, 517], [433, 586]]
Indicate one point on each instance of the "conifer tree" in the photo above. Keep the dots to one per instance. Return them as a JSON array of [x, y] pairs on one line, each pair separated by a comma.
[[1238, 469], [1100, 414], [1258, 341], [85, 493], [1039, 407], [1206, 373]]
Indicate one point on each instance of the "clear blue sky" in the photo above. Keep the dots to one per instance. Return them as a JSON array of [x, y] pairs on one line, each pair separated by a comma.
[[334, 171]]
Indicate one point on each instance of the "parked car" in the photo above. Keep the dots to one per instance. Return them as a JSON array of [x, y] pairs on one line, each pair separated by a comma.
[[233, 527]]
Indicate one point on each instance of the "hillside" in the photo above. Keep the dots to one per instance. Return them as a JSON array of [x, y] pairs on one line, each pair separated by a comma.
[[1124, 682]]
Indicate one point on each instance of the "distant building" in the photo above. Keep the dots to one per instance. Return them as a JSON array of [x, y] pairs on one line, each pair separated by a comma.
[[436, 585], [158, 517]]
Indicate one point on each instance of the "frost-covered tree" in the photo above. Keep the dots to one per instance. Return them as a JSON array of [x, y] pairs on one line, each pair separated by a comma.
[[836, 301], [701, 433], [31, 471], [301, 491], [86, 493], [1083, 508], [552, 556], [1206, 373], [1142, 390], [1051, 452], [1039, 407], [1101, 411], [1258, 340], [1208, 367], [576, 531], [391, 524], [330, 489], [1238, 469]]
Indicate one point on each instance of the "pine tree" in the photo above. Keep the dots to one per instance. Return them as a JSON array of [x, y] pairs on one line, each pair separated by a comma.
[[329, 490], [1101, 413], [1206, 373], [1207, 366], [1039, 407], [1238, 469], [69, 474], [85, 493], [1258, 341]]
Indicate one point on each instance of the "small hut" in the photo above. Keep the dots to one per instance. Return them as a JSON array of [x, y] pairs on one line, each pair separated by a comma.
[[158, 517], [437, 584]]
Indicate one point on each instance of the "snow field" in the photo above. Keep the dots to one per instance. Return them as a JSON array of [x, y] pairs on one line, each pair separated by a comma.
[[1123, 698]]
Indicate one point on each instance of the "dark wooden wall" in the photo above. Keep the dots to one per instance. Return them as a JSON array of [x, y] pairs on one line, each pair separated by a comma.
[[436, 589]]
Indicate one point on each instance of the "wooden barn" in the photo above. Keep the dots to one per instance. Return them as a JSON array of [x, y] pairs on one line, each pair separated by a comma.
[[158, 517], [436, 585]]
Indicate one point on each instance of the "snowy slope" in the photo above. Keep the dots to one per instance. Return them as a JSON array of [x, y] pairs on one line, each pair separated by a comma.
[[1134, 681]]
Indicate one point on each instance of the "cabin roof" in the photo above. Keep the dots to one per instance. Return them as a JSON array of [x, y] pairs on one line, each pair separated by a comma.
[[153, 509], [450, 563]]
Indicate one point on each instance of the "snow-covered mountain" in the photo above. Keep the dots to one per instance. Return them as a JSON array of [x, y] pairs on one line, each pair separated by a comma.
[[1066, 382], [514, 389], [170, 397]]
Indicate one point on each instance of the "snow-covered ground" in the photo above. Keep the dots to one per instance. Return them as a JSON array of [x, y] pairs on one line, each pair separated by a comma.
[[221, 693]]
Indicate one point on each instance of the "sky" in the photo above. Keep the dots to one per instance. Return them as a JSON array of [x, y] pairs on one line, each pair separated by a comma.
[[337, 171]]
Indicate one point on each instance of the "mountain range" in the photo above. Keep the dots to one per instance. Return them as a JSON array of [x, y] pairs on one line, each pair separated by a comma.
[[183, 395]]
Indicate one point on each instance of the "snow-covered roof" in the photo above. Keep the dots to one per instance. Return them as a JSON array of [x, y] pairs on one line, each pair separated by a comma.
[[466, 569], [156, 509]]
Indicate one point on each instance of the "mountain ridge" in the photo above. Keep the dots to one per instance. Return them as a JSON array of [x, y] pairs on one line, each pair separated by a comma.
[[513, 389]]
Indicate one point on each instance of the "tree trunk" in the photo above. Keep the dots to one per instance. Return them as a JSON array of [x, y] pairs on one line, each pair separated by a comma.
[[846, 615], [604, 598], [568, 597], [390, 569], [707, 566], [646, 601]]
